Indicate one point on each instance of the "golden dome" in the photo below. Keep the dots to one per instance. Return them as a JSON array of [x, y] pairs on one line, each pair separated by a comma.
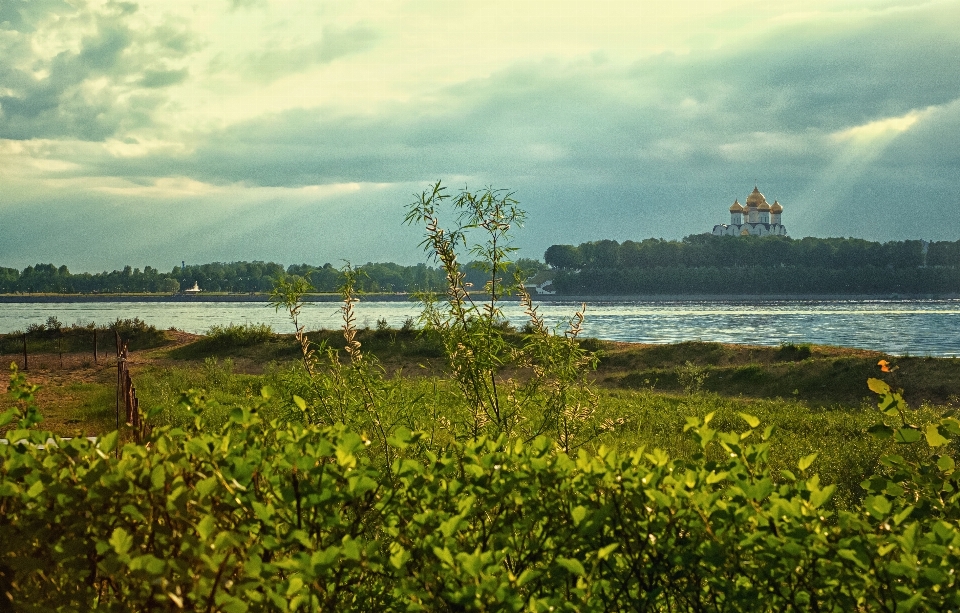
[[755, 198], [735, 207], [776, 208], [763, 206]]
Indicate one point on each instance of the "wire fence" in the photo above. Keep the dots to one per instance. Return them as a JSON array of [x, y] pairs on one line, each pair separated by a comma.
[[75, 349], [127, 396]]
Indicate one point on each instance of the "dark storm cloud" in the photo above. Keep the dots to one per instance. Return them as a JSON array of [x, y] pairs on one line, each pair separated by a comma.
[[831, 78], [593, 149], [23, 15], [771, 104], [59, 105]]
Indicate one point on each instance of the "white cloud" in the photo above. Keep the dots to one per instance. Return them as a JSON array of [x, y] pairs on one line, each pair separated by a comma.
[[880, 129]]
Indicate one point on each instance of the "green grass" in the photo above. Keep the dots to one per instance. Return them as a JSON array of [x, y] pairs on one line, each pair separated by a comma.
[[815, 397], [651, 418], [80, 408], [821, 376], [390, 346]]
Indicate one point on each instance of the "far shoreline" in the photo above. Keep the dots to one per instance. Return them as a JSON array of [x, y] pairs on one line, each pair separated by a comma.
[[179, 298]]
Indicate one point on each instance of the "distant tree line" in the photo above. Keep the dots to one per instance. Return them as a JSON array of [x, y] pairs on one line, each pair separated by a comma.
[[233, 277], [389, 277], [707, 264], [50, 279]]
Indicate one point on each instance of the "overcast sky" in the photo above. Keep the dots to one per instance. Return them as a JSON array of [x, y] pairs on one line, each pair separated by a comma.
[[151, 132]]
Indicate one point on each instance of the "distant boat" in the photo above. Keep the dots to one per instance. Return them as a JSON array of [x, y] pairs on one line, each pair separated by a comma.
[[193, 290]]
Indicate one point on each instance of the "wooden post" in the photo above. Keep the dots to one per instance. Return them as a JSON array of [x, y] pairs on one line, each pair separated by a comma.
[[119, 383], [26, 366], [60, 346], [95, 345]]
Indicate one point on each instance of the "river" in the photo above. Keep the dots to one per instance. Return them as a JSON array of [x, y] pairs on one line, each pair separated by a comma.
[[898, 327]]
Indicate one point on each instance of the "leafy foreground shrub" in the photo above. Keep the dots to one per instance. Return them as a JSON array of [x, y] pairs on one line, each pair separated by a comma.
[[284, 516]]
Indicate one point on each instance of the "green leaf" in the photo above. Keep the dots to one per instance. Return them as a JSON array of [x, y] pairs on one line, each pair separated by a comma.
[[150, 563], [878, 506], [881, 431], [36, 489], [361, 484], [233, 605], [206, 486], [300, 402], [934, 438], [121, 541], [877, 386], [263, 511], [449, 527], [351, 548], [905, 606], [108, 442], [398, 556], [902, 515], [752, 421], [205, 527], [266, 392], [907, 435], [578, 513], [158, 477], [572, 565], [401, 438], [444, 555], [946, 463], [805, 462], [716, 477], [819, 497], [605, 552]]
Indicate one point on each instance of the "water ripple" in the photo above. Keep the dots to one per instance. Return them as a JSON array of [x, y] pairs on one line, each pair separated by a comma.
[[915, 327]]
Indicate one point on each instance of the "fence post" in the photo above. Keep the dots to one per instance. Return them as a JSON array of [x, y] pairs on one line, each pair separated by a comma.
[[94, 344], [26, 366], [119, 382], [60, 346], [128, 389]]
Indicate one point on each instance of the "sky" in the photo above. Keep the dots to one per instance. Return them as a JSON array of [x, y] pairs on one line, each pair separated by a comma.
[[161, 131]]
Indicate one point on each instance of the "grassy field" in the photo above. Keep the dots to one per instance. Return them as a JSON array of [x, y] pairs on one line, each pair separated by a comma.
[[815, 397]]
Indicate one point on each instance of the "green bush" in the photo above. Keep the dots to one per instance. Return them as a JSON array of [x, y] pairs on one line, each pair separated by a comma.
[[284, 516], [52, 337], [789, 352], [239, 335]]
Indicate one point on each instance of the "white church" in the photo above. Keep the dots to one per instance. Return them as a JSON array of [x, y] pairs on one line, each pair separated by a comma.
[[757, 218]]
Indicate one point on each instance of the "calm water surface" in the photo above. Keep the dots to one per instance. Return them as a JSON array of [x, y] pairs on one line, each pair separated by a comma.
[[916, 327]]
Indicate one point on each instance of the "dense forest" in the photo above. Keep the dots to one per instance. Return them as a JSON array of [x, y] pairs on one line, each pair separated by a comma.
[[698, 264], [233, 277], [707, 264]]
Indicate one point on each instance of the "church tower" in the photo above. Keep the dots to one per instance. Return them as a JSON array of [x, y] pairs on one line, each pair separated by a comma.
[[775, 212], [736, 213], [753, 205], [763, 212]]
